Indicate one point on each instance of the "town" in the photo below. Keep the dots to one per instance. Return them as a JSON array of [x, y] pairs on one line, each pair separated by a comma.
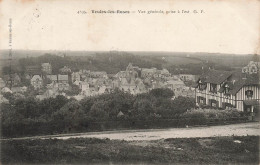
[[214, 88], [86, 83]]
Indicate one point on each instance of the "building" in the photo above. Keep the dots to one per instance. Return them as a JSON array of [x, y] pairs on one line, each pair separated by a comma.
[[6, 90], [65, 70], [3, 99], [155, 73], [46, 68], [47, 94], [2, 83], [188, 77], [63, 82], [19, 89], [145, 72], [133, 86], [165, 73], [53, 78], [251, 68], [222, 89], [83, 86], [37, 82], [33, 70], [131, 72], [176, 85], [12, 80], [75, 76], [98, 75]]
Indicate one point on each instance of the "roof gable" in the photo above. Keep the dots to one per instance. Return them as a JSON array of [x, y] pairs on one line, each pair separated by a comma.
[[247, 81]]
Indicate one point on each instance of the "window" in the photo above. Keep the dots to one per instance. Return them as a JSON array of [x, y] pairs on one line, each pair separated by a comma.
[[253, 70], [213, 88], [227, 105], [226, 90], [249, 93], [202, 86], [201, 100], [198, 99], [213, 103]]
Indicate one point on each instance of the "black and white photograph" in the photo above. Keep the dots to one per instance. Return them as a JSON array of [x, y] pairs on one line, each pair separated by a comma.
[[135, 82]]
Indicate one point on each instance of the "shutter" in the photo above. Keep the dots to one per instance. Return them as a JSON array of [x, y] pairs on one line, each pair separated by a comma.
[[224, 105], [210, 102]]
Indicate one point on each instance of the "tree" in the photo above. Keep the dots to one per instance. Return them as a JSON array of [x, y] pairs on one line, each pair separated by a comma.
[[9, 70], [46, 81], [71, 113], [86, 104], [27, 107], [98, 111], [48, 107], [142, 108], [182, 104], [162, 92], [9, 96], [25, 82]]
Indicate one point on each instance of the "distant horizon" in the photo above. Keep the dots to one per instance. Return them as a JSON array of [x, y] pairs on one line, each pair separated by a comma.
[[167, 52]]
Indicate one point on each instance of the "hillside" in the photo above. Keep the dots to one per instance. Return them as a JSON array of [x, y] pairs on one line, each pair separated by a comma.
[[111, 62], [114, 61]]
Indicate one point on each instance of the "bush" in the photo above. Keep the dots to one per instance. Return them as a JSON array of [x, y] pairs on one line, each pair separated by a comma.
[[213, 114]]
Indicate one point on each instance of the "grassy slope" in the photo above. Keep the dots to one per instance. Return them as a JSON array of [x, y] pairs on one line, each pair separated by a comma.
[[218, 150]]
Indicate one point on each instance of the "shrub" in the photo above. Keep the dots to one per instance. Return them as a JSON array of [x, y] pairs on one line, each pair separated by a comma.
[[212, 114]]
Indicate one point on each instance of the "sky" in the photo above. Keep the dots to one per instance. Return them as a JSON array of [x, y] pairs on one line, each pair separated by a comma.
[[226, 26]]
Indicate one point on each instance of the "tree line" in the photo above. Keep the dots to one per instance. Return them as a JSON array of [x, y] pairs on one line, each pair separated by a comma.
[[23, 114]]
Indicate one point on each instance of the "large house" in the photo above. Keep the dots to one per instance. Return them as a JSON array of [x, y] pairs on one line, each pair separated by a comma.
[[223, 89]]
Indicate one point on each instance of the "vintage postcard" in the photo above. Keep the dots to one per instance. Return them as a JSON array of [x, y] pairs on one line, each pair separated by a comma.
[[129, 82]]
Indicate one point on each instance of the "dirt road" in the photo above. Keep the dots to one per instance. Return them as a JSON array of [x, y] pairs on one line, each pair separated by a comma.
[[154, 134]]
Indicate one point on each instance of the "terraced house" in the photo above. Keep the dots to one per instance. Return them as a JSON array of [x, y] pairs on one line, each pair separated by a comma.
[[223, 89]]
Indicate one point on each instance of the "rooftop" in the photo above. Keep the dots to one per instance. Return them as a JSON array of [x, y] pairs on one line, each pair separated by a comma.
[[215, 76], [63, 77]]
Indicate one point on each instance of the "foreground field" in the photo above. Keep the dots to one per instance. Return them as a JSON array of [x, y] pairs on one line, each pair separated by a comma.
[[217, 150]]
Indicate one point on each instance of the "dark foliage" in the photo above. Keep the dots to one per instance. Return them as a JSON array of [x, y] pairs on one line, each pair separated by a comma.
[[29, 116]]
